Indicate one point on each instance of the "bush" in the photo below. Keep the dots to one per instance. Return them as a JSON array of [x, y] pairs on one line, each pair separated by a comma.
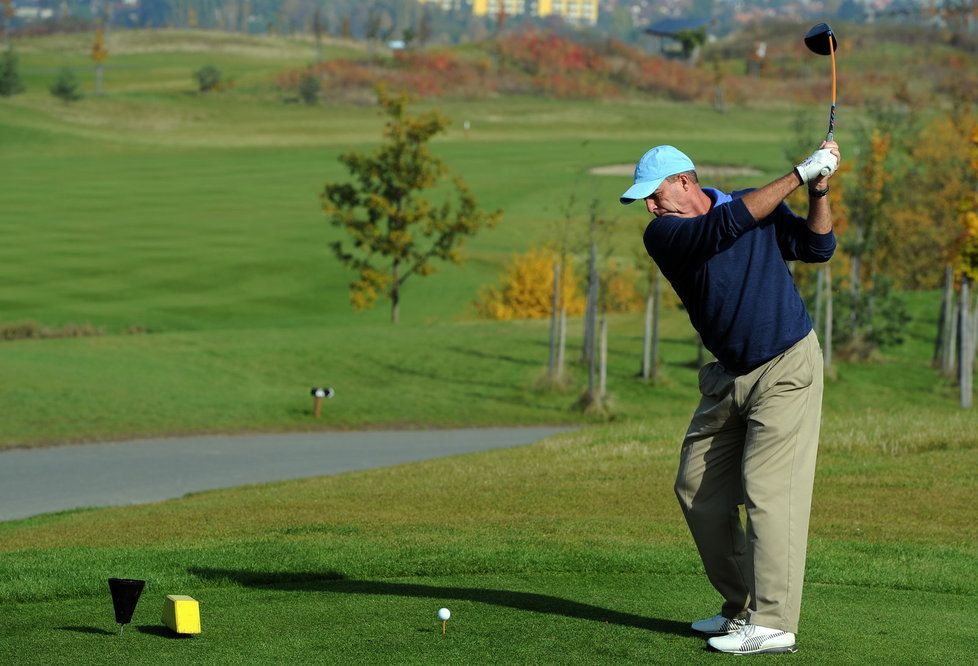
[[527, 289], [65, 87], [10, 83], [309, 88], [208, 78]]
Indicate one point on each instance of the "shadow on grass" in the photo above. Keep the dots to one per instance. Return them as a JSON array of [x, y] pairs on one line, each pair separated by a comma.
[[162, 632], [335, 582], [478, 353], [443, 378], [89, 630]]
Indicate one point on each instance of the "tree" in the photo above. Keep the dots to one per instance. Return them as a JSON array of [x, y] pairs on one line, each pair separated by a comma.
[[562, 270], [99, 54], [309, 88], [865, 202], [10, 83], [874, 316], [6, 14], [319, 26], [394, 231], [65, 86], [424, 29], [653, 308], [374, 20], [691, 41], [208, 78]]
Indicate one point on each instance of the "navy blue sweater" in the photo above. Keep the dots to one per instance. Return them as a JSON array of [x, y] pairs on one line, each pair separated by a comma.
[[730, 272]]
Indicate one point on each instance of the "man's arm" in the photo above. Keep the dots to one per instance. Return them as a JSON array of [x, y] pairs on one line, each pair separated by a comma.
[[819, 212], [761, 203]]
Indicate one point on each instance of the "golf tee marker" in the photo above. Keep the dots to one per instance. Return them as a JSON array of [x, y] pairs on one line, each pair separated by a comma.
[[318, 393], [125, 595], [181, 614]]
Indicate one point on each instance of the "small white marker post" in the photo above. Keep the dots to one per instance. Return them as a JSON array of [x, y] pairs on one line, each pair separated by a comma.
[[317, 399]]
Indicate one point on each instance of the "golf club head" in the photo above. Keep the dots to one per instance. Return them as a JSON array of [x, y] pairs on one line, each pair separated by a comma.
[[817, 39]]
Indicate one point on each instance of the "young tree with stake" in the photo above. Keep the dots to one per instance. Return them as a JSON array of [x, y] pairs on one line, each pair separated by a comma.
[[395, 232]]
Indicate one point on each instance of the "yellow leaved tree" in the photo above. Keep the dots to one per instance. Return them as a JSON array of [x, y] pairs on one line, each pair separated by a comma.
[[967, 260], [526, 289]]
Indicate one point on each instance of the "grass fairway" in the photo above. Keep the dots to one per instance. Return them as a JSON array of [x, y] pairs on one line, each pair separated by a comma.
[[196, 218], [568, 551]]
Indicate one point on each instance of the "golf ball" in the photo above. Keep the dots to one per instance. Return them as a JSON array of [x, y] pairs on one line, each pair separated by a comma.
[[444, 614]]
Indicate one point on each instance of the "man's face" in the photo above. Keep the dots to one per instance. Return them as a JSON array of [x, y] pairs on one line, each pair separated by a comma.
[[665, 199]]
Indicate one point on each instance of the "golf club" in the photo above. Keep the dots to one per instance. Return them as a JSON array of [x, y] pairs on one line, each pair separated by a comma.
[[821, 40]]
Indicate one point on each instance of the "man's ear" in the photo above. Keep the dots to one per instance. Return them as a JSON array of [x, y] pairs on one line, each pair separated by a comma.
[[684, 179]]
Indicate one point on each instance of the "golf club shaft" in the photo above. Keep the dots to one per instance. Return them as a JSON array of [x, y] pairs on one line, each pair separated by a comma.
[[831, 133]]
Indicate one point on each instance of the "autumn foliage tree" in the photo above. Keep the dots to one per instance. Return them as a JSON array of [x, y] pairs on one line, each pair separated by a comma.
[[923, 223], [526, 288], [394, 232], [967, 259]]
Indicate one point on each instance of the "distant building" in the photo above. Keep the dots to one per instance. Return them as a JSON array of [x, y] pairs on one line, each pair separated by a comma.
[[582, 12]]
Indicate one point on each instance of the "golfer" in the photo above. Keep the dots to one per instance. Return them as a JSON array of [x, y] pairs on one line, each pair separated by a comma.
[[754, 435]]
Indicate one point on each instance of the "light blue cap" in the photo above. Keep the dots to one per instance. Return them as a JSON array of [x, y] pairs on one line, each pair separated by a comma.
[[654, 167]]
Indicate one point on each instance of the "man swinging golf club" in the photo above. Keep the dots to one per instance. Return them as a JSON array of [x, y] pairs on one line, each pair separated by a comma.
[[753, 438]]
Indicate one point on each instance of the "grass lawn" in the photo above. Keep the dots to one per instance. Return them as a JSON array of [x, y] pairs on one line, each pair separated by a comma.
[[568, 551], [195, 218]]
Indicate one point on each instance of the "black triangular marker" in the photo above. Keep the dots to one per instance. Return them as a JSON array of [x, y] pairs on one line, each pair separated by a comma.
[[125, 596]]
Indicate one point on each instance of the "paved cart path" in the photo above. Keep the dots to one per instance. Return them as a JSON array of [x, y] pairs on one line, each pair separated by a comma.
[[34, 481]]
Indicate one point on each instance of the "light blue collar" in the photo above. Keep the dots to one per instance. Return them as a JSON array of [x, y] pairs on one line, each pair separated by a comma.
[[717, 196]]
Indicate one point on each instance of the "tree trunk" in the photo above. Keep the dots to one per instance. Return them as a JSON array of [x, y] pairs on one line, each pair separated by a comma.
[[966, 354], [941, 342], [591, 379], [647, 336], [591, 314], [854, 295], [552, 364], [317, 29], [951, 357], [827, 342], [655, 323], [395, 294], [603, 386], [974, 328], [947, 345], [563, 342]]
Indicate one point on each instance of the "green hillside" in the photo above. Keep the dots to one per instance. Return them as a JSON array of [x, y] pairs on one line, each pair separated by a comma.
[[187, 228]]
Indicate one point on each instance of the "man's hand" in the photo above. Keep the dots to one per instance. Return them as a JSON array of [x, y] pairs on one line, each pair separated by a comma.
[[819, 215], [822, 181], [822, 163]]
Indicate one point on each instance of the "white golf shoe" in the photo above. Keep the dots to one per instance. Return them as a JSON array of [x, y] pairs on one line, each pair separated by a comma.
[[754, 639], [718, 625]]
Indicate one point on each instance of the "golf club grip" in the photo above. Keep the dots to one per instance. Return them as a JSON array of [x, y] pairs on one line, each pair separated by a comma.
[[831, 133]]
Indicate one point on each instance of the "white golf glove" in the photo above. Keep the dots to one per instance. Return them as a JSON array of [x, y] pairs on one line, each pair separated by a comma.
[[821, 163]]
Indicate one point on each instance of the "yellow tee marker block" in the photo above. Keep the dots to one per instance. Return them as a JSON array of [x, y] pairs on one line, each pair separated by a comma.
[[181, 614]]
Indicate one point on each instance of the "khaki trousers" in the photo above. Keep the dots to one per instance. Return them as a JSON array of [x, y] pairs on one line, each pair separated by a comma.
[[753, 441]]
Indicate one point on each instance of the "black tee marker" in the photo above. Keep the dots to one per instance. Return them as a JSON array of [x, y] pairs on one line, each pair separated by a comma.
[[125, 596]]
